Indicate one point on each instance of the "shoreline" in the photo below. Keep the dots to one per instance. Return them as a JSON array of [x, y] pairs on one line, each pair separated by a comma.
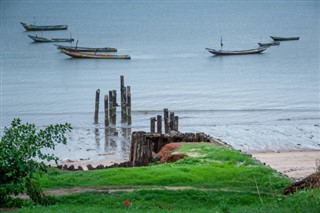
[[295, 164]]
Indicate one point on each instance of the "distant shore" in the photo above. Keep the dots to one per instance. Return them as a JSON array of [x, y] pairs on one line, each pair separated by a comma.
[[294, 164]]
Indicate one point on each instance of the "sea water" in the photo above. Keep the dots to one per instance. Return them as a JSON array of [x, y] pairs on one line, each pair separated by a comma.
[[261, 102]]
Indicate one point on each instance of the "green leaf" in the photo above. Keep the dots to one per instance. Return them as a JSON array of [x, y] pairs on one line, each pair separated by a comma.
[[19, 145]]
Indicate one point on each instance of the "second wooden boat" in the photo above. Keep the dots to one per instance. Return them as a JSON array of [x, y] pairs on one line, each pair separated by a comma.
[[43, 39], [239, 52], [93, 55], [276, 38], [269, 44], [31, 27], [85, 49]]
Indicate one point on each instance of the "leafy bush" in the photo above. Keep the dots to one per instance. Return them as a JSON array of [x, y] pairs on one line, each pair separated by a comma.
[[22, 159]]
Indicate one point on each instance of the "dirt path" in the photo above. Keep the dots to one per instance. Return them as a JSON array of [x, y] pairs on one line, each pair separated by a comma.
[[69, 191], [65, 191]]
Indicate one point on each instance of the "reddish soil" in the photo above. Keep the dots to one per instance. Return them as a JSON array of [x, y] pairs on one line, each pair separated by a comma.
[[166, 154]]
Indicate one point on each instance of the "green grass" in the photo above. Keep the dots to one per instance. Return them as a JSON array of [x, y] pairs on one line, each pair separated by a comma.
[[223, 180], [156, 200], [215, 168], [212, 175], [182, 201]]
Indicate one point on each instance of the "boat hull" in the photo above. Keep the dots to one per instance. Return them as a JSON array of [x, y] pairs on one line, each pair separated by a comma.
[[43, 39], [30, 27], [276, 38], [94, 56], [241, 52], [86, 49], [269, 44]]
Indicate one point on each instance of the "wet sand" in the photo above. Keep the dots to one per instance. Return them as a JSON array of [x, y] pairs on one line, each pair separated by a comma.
[[294, 164]]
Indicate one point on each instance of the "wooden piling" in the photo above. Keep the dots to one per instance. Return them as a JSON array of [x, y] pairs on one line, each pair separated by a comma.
[[121, 88], [176, 123], [166, 120], [114, 107], [152, 124], [114, 96], [106, 111], [124, 105], [111, 106], [96, 111], [159, 124], [129, 105], [171, 122]]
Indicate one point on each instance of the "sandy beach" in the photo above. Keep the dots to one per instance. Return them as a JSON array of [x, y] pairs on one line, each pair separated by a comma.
[[294, 164]]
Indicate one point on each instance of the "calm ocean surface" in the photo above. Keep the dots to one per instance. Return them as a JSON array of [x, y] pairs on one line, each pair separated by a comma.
[[268, 101]]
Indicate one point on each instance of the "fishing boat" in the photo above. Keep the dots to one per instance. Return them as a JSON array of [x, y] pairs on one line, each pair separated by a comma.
[[275, 38], [238, 52], [31, 27], [85, 49], [93, 55], [43, 39], [269, 44]]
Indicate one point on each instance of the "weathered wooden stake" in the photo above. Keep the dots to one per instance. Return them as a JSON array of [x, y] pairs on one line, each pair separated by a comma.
[[176, 123], [152, 124], [106, 111], [96, 111], [166, 120], [114, 106], [121, 88], [159, 124], [171, 120], [114, 96], [124, 106], [111, 106], [129, 104]]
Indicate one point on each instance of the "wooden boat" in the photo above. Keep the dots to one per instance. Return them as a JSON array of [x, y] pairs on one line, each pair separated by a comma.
[[31, 27], [240, 52], [275, 38], [269, 44], [93, 55], [43, 39], [85, 49]]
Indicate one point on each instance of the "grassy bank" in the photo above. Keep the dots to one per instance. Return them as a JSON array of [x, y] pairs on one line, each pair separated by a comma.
[[213, 179]]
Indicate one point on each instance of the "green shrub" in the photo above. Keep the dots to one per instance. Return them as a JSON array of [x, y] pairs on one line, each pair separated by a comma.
[[21, 150]]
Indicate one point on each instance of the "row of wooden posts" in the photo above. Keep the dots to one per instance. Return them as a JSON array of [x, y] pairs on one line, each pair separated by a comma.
[[110, 105], [171, 122]]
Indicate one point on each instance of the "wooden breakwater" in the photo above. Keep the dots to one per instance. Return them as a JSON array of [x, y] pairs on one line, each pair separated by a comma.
[[144, 145], [111, 104]]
